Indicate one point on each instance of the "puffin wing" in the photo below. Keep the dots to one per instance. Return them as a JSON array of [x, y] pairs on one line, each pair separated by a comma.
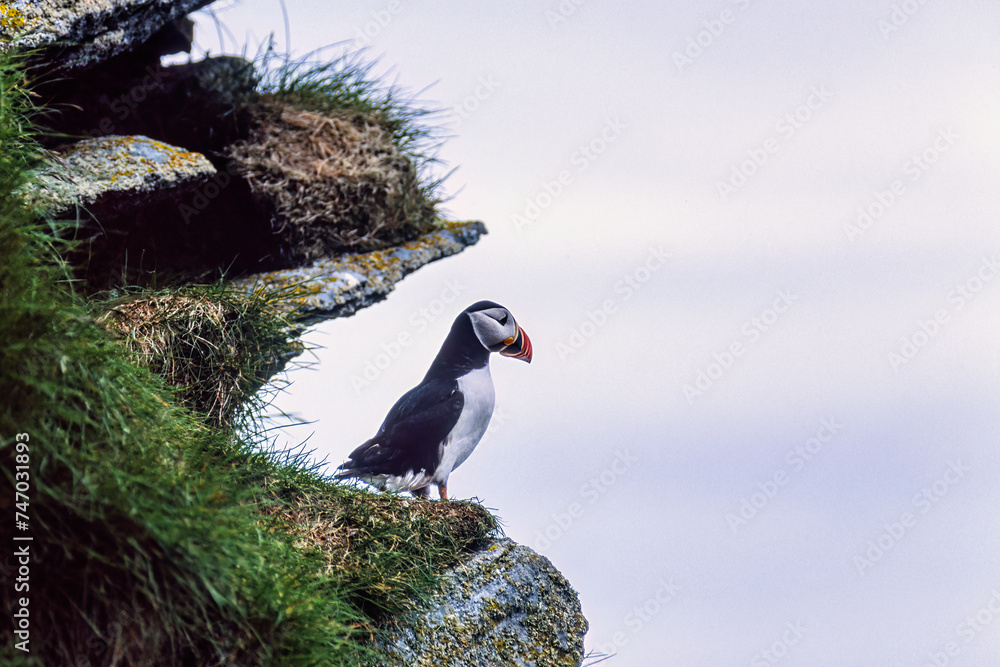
[[411, 435]]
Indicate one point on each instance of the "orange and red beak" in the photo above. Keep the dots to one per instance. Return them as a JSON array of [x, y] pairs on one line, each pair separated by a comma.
[[519, 348]]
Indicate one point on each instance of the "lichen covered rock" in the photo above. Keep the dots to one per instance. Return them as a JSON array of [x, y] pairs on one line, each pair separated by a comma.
[[129, 203], [135, 167], [504, 606], [339, 286], [79, 34]]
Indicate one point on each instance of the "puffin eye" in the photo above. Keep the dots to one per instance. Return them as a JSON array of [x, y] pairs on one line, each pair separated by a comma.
[[503, 319]]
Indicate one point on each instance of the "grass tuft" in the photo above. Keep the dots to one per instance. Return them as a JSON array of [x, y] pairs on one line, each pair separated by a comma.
[[342, 159], [390, 548], [348, 84], [215, 344]]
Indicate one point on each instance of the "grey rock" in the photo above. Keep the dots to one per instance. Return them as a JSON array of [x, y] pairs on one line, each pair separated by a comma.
[[80, 33], [504, 606], [117, 172], [339, 286]]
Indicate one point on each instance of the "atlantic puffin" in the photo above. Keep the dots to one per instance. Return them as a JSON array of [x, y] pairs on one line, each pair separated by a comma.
[[434, 427]]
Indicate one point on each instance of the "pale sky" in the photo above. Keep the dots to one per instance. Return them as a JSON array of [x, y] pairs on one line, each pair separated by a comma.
[[791, 208]]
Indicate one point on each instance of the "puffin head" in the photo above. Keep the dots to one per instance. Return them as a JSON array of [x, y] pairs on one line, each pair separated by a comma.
[[497, 330]]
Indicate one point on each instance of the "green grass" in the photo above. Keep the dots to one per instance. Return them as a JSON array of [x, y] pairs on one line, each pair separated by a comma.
[[342, 160], [162, 535], [348, 83], [216, 345]]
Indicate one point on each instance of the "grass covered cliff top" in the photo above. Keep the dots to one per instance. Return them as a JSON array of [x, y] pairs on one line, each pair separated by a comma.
[[164, 532]]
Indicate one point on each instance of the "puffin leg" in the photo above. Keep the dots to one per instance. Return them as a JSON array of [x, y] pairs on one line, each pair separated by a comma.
[[443, 491], [422, 492]]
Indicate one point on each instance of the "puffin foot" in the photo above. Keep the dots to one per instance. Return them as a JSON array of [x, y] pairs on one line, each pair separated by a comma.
[[443, 491]]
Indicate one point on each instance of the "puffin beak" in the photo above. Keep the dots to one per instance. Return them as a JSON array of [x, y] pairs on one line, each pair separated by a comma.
[[520, 348]]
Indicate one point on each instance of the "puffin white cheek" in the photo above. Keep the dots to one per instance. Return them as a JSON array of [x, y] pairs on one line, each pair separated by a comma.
[[490, 332]]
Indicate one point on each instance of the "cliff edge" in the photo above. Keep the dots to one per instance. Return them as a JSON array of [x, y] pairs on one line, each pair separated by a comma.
[[163, 177]]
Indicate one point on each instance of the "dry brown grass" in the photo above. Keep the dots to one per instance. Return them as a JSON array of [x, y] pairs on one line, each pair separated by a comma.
[[213, 345], [332, 183]]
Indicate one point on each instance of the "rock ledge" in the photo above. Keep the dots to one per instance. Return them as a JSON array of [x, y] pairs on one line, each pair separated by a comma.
[[506, 605], [339, 286]]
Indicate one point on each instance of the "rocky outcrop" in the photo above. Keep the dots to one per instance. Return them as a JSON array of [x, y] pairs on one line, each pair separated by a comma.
[[504, 606], [339, 286], [116, 173], [140, 197], [128, 204], [128, 95], [265, 185], [73, 35]]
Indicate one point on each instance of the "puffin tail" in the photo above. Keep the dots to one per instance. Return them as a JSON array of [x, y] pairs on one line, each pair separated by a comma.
[[358, 462]]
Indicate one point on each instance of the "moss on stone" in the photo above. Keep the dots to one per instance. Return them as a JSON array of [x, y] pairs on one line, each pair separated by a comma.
[[338, 286], [506, 605], [93, 168]]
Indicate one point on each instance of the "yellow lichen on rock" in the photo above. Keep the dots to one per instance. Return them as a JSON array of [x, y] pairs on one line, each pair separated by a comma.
[[338, 286], [70, 34], [506, 605], [91, 168], [11, 20]]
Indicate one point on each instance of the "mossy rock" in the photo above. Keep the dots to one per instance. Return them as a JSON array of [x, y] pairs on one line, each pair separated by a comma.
[[76, 35], [339, 286], [505, 606]]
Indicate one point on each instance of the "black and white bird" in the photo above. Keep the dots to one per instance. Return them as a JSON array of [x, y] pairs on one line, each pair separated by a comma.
[[434, 427]]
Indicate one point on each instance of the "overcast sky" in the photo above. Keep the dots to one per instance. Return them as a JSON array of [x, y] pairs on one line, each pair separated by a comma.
[[755, 245]]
